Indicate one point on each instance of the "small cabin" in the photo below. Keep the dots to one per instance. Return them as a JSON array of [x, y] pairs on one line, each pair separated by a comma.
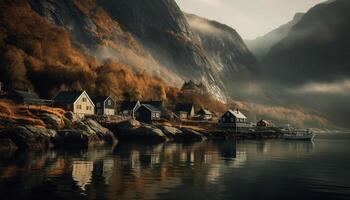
[[263, 123], [128, 108], [27, 97], [205, 114], [234, 119], [78, 102], [159, 105], [184, 111], [147, 113], [104, 105]]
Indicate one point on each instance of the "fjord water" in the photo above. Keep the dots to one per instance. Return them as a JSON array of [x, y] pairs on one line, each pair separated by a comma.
[[264, 169]]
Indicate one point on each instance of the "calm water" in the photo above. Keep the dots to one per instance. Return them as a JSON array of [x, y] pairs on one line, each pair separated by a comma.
[[272, 169]]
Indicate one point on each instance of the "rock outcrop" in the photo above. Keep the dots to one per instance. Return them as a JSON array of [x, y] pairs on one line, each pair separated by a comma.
[[135, 131], [84, 134]]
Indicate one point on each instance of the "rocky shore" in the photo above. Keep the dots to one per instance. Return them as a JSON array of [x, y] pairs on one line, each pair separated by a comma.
[[39, 128]]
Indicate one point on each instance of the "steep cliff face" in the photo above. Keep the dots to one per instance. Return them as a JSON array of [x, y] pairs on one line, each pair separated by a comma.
[[164, 31], [98, 34], [261, 45], [227, 52], [153, 36], [316, 49]]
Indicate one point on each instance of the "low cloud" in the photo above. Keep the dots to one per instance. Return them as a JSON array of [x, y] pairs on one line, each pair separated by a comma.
[[341, 87], [201, 25]]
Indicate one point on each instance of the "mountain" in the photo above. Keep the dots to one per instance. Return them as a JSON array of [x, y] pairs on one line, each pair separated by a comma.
[[310, 66], [153, 36], [229, 55], [317, 48], [261, 45]]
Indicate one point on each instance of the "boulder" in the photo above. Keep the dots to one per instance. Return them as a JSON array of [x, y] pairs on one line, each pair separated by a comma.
[[71, 116], [84, 134], [29, 137], [52, 121], [189, 135], [133, 130], [171, 132], [127, 125]]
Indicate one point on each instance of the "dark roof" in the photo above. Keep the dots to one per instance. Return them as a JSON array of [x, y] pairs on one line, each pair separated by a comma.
[[204, 112], [100, 98], [26, 94], [150, 107], [128, 105], [183, 107], [67, 97], [156, 104]]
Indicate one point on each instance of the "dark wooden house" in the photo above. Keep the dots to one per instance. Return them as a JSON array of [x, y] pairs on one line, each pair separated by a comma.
[[159, 105], [263, 123], [205, 114], [104, 105], [26, 97], [184, 111], [128, 108], [147, 113], [234, 119]]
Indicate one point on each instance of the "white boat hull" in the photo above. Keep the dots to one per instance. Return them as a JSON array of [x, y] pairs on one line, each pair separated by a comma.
[[299, 137]]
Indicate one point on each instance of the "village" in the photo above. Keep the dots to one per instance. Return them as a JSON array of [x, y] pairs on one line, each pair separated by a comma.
[[106, 111]]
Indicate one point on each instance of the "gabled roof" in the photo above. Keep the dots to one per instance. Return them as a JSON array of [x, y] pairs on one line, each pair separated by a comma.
[[265, 121], [237, 114], [128, 105], [156, 104], [101, 98], [184, 107], [150, 107], [69, 97], [204, 112]]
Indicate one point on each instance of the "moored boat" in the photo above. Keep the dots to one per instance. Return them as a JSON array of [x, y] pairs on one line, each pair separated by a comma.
[[299, 135]]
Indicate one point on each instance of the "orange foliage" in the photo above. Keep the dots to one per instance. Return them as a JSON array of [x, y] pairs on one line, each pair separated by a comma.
[[38, 54]]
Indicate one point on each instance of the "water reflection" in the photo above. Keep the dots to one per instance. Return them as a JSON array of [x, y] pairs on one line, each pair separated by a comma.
[[82, 172], [138, 171]]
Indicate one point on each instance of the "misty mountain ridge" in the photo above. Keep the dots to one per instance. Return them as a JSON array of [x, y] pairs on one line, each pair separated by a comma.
[[311, 63], [261, 45], [317, 48]]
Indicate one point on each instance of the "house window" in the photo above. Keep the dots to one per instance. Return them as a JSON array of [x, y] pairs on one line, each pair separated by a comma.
[[232, 119], [109, 102], [84, 99], [79, 107], [157, 115]]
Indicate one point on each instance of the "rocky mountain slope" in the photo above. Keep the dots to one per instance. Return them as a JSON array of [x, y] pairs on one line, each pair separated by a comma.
[[261, 45], [311, 64], [152, 36], [316, 49], [228, 54]]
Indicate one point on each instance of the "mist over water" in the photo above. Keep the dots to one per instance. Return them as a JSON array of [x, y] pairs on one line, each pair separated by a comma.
[[271, 169]]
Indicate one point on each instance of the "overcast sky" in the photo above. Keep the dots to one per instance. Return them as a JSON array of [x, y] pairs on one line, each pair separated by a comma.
[[251, 18]]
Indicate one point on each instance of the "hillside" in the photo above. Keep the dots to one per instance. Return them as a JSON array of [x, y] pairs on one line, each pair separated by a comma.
[[316, 49], [229, 55], [261, 45], [311, 64]]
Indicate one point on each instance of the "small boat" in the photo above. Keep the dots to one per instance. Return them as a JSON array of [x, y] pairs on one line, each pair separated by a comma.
[[299, 135]]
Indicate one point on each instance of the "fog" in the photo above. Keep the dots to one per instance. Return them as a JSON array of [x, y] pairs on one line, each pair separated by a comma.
[[251, 18]]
